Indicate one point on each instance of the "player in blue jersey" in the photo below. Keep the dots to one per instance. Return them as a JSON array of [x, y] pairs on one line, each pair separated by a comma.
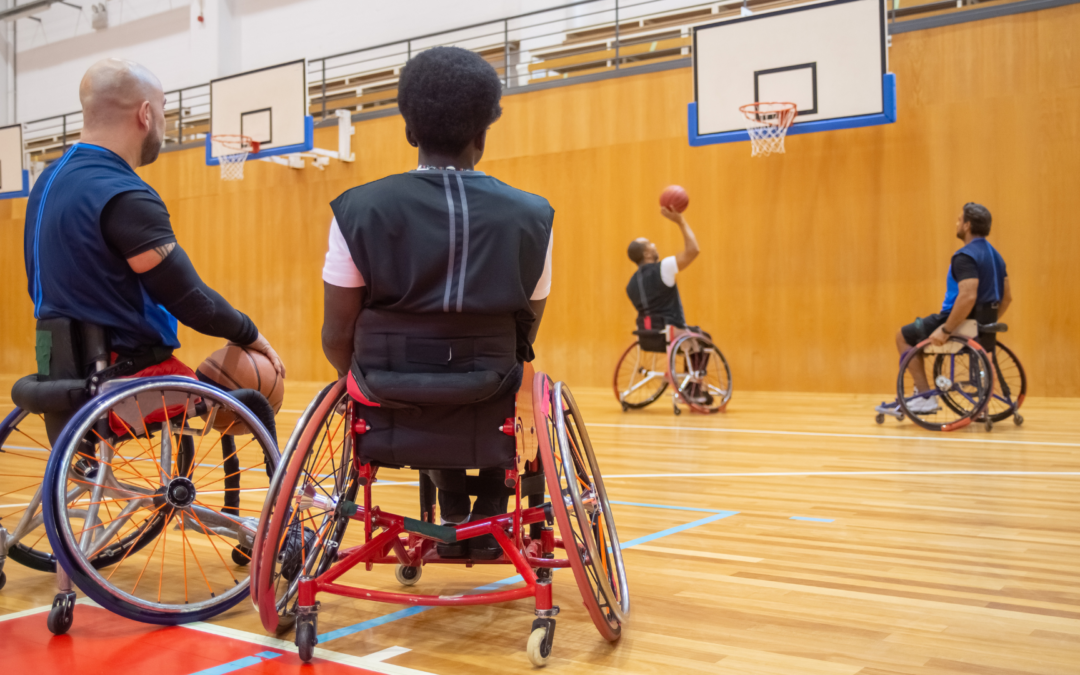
[[976, 287]]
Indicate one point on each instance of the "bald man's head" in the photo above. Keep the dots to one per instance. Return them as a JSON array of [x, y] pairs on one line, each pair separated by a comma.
[[124, 100]]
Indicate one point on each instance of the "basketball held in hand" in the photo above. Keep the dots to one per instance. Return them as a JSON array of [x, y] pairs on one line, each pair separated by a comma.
[[234, 367], [675, 198]]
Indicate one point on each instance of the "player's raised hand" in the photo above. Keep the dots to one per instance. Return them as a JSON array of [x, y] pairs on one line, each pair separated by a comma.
[[672, 215]]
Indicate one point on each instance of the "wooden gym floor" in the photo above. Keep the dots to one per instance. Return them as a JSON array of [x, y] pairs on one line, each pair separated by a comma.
[[791, 535]]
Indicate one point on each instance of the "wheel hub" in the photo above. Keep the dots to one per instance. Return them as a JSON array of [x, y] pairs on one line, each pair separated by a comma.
[[180, 492], [943, 383]]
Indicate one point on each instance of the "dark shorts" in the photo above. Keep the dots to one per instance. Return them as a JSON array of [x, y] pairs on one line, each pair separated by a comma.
[[920, 329]]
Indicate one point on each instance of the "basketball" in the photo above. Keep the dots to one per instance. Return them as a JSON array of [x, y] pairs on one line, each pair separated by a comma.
[[675, 198], [235, 367]]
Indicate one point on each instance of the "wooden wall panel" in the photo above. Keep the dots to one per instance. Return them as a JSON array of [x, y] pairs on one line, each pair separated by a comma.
[[810, 261]]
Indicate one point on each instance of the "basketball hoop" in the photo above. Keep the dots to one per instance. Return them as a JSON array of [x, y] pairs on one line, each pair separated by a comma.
[[232, 164], [769, 125]]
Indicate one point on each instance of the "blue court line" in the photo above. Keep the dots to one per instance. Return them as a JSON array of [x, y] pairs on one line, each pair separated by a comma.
[[812, 520], [411, 611], [233, 666]]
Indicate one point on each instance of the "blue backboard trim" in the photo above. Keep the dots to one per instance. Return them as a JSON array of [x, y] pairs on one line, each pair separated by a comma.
[[888, 116], [306, 146], [24, 192]]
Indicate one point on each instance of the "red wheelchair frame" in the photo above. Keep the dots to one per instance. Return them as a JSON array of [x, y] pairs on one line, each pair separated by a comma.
[[411, 543]]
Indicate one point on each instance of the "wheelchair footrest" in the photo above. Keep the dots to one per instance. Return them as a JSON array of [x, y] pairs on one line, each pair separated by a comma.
[[447, 535]]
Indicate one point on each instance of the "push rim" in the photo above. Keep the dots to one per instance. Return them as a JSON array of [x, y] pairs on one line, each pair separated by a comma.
[[639, 377], [584, 516], [963, 384], [701, 383], [178, 488], [305, 532]]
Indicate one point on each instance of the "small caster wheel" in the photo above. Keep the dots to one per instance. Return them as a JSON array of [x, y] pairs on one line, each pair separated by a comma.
[[241, 555], [62, 613], [306, 639], [1017, 420], [989, 424], [539, 647], [880, 418], [625, 407], [900, 417], [407, 575], [677, 410]]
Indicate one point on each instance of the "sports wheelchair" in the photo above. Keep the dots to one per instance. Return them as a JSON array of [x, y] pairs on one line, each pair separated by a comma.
[[136, 487], [971, 383], [661, 355], [326, 483]]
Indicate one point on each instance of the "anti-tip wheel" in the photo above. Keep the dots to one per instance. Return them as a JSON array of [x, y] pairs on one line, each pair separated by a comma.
[[880, 418], [989, 424], [1017, 420], [538, 648], [306, 640], [407, 575]]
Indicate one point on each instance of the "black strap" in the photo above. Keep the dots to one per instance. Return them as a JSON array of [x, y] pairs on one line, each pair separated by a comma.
[[641, 291]]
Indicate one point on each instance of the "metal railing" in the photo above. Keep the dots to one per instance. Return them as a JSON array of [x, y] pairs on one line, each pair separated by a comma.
[[574, 39]]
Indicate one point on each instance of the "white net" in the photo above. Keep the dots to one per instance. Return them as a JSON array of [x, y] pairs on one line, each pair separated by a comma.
[[232, 166], [768, 126]]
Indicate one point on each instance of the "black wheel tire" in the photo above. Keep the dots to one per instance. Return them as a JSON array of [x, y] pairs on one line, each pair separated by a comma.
[[241, 555], [306, 640], [880, 418], [60, 619], [1017, 420]]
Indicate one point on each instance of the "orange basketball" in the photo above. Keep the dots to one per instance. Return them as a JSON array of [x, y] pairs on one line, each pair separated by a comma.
[[235, 367], [675, 198]]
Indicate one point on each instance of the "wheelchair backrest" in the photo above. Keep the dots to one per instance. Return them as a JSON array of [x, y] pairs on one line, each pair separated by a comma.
[[69, 350]]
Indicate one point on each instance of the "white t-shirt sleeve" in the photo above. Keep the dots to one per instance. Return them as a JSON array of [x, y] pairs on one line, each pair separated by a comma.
[[339, 268], [669, 267], [543, 287]]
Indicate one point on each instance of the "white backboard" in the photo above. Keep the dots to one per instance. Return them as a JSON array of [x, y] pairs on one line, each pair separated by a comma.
[[11, 160], [269, 105], [829, 58]]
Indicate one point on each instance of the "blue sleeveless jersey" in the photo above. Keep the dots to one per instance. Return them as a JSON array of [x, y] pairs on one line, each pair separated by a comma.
[[992, 274], [71, 272]]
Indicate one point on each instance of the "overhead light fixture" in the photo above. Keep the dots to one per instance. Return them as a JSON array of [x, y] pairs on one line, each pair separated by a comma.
[[31, 8]]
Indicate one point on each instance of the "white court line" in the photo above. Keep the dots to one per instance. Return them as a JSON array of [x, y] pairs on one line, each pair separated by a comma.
[[845, 473], [767, 432], [373, 662]]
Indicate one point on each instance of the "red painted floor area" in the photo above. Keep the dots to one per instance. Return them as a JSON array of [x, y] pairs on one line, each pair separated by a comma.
[[100, 642]]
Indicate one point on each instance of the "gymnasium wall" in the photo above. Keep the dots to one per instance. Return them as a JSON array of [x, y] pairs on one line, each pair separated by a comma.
[[809, 263]]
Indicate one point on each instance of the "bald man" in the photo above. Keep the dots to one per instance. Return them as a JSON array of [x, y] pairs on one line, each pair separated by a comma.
[[98, 244]]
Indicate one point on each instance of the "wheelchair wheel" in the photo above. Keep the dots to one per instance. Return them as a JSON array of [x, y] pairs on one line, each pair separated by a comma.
[[1010, 385], [700, 373], [639, 377], [581, 506], [300, 528], [961, 386], [146, 502]]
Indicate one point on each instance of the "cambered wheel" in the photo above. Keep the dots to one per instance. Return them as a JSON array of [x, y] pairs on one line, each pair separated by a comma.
[[300, 526], [581, 506], [163, 495], [1010, 385], [24, 452], [700, 374], [408, 575], [639, 377], [961, 385]]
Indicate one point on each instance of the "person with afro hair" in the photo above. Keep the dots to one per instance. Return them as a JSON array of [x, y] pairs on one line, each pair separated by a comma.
[[440, 272]]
